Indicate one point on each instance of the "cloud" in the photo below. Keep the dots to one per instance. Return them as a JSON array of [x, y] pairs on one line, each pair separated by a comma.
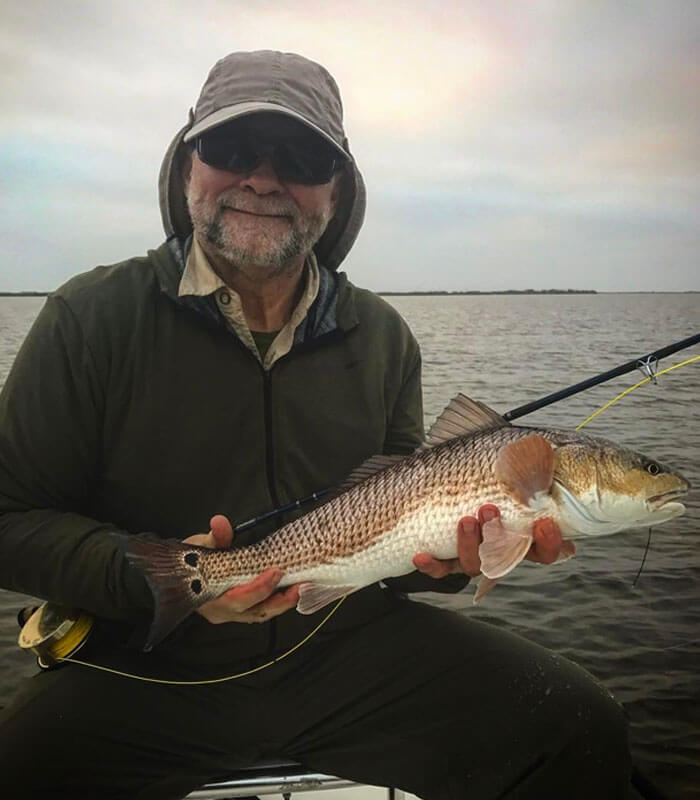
[[533, 144]]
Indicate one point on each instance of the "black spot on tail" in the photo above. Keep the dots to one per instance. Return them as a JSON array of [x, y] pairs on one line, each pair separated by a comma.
[[169, 576], [192, 559]]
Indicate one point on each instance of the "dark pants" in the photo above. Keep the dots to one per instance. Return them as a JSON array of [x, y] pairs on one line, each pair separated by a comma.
[[421, 699]]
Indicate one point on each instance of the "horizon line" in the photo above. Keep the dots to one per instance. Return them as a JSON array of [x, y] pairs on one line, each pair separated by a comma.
[[443, 292]]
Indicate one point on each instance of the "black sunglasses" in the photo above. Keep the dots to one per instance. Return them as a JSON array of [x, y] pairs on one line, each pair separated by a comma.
[[297, 157]]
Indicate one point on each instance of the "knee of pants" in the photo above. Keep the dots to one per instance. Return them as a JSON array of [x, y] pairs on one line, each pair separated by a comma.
[[596, 722]]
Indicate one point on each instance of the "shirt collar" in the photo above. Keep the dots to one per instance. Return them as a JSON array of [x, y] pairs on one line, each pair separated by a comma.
[[200, 279]]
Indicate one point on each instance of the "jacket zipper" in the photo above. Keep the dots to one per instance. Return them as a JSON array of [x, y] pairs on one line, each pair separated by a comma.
[[269, 447], [269, 470]]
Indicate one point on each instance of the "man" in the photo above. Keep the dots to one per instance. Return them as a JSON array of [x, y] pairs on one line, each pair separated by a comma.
[[233, 369]]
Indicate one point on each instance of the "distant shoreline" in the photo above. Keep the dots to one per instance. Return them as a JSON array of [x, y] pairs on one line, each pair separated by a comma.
[[24, 294], [543, 291], [467, 292], [498, 291]]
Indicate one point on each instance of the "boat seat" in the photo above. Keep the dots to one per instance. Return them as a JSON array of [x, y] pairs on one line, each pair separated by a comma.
[[274, 777]]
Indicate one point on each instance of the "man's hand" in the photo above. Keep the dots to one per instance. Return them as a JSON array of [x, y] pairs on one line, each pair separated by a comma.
[[546, 548], [256, 601]]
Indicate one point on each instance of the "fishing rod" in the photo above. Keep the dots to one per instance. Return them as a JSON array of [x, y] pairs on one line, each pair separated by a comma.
[[646, 363], [643, 362]]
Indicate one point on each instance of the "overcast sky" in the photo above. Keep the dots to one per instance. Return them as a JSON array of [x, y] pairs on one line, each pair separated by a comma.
[[542, 143]]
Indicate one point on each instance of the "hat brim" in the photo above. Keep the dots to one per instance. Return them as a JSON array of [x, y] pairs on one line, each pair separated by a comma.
[[228, 113]]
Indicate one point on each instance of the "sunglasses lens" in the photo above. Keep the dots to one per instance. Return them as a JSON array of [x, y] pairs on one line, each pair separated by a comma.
[[297, 157], [309, 162], [234, 154]]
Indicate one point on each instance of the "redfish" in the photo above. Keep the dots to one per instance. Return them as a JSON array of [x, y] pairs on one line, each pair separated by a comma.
[[392, 507]]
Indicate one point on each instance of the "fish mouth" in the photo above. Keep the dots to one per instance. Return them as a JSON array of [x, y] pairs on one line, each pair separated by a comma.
[[657, 501]]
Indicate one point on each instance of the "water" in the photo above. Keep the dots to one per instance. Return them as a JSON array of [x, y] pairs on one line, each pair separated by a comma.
[[643, 642]]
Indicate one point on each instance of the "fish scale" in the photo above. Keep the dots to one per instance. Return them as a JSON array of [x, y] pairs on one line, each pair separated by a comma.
[[396, 507]]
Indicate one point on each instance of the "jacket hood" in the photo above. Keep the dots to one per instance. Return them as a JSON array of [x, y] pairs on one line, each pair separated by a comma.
[[268, 81]]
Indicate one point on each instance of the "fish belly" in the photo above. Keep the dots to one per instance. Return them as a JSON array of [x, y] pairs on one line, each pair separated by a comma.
[[431, 530]]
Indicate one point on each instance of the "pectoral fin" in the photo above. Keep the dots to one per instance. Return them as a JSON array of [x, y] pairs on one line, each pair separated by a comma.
[[525, 467], [313, 596], [502, 548]]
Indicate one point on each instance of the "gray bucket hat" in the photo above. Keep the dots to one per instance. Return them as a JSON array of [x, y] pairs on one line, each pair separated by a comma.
[[285, 83]]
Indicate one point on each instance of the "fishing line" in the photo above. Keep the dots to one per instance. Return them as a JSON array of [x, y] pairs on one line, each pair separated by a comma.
[[644, 558], [211, 680], [58, 650]]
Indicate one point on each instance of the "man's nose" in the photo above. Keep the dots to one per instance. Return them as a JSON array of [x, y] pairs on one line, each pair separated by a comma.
[[262, 179]]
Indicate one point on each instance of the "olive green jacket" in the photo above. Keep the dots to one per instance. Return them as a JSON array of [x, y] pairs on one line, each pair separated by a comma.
[[130, 411]]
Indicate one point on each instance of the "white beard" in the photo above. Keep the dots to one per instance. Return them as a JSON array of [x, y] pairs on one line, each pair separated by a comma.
[[258, 246]]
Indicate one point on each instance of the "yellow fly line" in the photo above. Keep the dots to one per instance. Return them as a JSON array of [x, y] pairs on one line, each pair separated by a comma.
[[632, 388], [211, 680], [75, 638]]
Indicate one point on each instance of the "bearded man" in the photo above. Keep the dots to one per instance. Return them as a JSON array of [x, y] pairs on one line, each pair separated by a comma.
[[233, 369]]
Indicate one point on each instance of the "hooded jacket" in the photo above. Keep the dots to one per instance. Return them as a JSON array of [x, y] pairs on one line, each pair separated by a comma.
[[132, 411]]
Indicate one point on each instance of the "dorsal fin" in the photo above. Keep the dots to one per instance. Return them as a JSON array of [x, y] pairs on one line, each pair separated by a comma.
[[369, 467], [463, 416]]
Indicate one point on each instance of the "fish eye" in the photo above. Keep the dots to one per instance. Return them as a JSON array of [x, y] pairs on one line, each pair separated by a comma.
[[652, 468]]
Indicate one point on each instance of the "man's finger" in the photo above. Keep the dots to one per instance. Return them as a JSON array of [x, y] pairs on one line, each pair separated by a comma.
[[276, 604], [568, 550], [488, 512], [435, 567], [219, 537], [221, 531], [547, 542], [468, 541], [243, 597]]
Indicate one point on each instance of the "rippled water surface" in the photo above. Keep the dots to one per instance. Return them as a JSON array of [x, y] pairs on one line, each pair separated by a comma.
[[642, 641]]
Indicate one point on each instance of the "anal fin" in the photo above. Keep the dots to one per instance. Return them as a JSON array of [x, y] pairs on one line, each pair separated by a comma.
[[313, 596], [484, 587]]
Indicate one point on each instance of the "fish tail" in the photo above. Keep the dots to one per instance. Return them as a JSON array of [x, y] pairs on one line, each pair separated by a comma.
[[173, 576]]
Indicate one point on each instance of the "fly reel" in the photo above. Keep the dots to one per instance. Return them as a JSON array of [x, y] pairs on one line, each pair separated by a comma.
[[53, 632]]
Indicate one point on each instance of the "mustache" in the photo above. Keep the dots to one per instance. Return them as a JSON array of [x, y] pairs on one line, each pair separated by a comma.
[[241, 201]]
